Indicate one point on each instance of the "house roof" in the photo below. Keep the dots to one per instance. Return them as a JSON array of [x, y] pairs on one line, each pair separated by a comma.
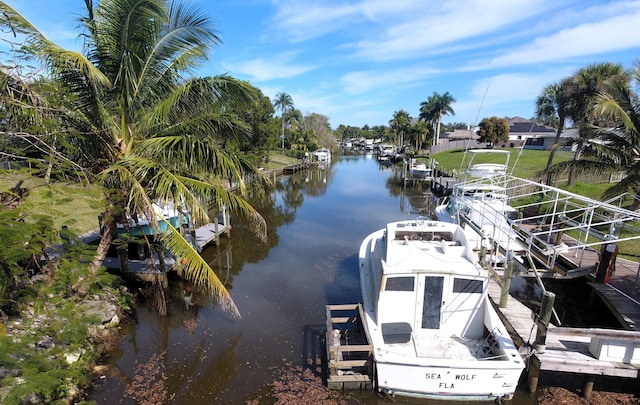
[[525, 126], [463, 134]]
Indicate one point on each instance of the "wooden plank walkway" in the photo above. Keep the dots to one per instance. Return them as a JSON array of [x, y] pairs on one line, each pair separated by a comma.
[[566, 350], [623, 307], [210, 233], [441, 186]]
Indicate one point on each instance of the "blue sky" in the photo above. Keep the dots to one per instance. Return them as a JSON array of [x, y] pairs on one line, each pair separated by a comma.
[[359, 61]]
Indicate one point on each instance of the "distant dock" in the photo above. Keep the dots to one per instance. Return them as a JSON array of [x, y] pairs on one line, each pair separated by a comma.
[[150, 268]]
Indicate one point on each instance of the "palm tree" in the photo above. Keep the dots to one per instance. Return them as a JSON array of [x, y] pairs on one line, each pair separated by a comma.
[[621, 105], [434, 108], [155, 133], [586, 86], [420, 132], [284, 103], [553, 103], [293, 119], [401, 125]]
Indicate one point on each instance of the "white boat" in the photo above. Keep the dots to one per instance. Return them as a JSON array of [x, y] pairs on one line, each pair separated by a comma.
[[429, 319], [386, 152], [419, 170], [481, 200], [165, 215], [322, 155], [368, 145], [487, 169]]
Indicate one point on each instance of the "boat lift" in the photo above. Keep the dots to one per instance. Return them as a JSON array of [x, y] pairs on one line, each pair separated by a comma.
[[556, 233]]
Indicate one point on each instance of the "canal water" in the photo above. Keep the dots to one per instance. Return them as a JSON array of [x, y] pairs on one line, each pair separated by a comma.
[[316, 221]]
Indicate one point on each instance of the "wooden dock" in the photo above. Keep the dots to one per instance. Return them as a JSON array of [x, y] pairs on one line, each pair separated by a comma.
[[296, 167], [442, 186], [569, 350], [349, 352], [210, 233]]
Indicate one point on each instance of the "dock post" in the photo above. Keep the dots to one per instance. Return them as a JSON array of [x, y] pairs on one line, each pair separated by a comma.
[[607, 259], [534, 373], [546, 309], [506, 280], [588, 386]]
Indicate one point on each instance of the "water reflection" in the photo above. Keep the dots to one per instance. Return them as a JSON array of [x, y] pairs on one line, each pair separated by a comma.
[[316, 220]]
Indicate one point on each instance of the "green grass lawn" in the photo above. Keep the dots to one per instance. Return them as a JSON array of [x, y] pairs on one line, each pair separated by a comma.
[[65, 203], [528, 163], [278, 160], [78, 206]]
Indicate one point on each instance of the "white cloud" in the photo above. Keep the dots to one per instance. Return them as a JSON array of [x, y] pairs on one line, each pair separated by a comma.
[[363, 81], [276, 67], [427, 29], [613, 34], [302, 20]]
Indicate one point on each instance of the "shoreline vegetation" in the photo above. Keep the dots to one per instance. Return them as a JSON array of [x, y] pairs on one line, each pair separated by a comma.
[[51, 351], [63, 323]]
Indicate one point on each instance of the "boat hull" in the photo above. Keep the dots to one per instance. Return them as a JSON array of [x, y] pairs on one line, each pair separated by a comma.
[[452, 383]]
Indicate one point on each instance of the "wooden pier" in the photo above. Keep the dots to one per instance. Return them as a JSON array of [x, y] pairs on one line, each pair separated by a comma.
[[442, 186], [585, 352], [150, 268], [210, 233], [296, 167], [349, 353]]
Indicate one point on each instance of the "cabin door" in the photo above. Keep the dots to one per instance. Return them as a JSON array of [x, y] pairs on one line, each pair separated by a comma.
[[431, 305]]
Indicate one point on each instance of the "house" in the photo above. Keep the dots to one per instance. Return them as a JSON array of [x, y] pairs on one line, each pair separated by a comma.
[[521, 129], [535, 135]]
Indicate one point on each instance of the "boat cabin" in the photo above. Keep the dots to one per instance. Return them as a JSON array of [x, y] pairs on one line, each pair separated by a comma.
[[415, 298]]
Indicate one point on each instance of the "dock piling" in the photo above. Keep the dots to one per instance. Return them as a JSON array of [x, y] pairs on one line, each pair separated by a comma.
[[506, 280], [546, 309]]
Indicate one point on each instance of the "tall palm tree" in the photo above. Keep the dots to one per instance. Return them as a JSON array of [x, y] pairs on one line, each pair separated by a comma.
[[284, 103], [155, 132], [401, 125], [434, 108], [420, 133], [585, 87], [621, 105], [554, 103]]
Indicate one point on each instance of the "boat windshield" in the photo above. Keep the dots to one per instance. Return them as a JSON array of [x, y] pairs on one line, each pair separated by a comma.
[[425, 236]]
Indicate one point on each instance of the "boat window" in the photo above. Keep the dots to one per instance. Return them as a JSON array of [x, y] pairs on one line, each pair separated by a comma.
[[432, 302], [399, 284], [467, 286], [426, 236]]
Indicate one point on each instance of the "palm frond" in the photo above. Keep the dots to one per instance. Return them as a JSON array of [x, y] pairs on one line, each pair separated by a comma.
[[57, 57], [197, 271]]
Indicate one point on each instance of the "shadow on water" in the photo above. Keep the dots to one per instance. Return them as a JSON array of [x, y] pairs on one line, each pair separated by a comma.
[[316, 220]]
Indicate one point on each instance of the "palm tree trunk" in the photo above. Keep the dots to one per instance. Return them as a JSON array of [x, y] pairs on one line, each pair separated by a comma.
[[554, 147], [436, 140], [572, 171], [109, 230]]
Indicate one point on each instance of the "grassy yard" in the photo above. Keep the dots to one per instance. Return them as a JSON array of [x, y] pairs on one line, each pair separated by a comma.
[[278, 160], [77, 206], [528, 163], [65, 203]]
